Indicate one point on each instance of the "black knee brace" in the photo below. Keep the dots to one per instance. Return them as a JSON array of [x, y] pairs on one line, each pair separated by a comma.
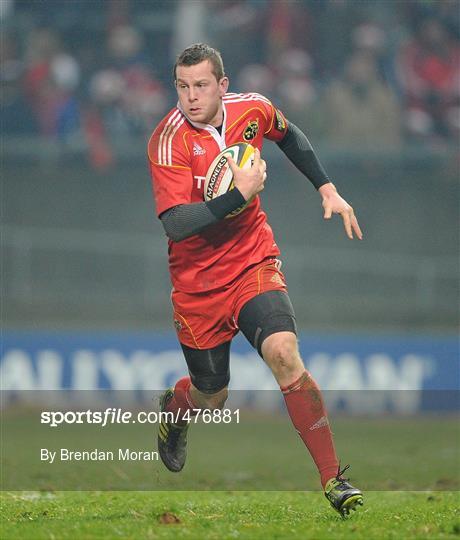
[[209, 368], [266, 314]]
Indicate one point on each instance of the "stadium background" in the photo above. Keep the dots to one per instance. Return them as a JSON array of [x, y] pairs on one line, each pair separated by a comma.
[[85, 286], [375, 85]]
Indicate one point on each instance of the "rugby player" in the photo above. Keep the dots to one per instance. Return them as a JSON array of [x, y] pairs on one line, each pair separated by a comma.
[[225, 272]]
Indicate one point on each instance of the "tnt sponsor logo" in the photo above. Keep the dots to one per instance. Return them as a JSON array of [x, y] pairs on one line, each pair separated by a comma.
[[199, 181]]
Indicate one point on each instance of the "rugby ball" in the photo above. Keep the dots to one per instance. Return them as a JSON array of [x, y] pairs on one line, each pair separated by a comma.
[[219, 178]]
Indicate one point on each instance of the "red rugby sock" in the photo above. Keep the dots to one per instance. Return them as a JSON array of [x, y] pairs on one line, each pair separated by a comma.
[[182, 401], [308, 414]]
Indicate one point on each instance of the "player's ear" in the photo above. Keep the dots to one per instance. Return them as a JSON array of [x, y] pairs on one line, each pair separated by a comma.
[[223, 86]]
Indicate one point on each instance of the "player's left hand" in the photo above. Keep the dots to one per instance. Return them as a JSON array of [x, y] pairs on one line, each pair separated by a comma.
[[333, 203]]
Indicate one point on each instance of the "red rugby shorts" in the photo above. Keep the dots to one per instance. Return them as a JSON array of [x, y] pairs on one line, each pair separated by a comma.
[[205, 320]]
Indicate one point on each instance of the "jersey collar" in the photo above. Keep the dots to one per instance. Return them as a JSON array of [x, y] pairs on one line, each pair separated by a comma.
[[220, 139]]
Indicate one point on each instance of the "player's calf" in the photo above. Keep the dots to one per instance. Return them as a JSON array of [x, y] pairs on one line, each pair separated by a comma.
[[209, 401]]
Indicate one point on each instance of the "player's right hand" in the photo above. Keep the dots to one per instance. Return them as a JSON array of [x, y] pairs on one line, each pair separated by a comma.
[[249, 181]]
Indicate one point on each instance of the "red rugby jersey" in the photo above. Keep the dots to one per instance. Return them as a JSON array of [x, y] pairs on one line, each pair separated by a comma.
[[180, 152]]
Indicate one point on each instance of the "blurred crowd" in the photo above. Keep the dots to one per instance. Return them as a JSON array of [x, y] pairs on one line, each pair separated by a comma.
[[378, 74]]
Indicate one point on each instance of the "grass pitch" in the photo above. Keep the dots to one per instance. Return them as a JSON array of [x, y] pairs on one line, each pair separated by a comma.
[[225, 515], [407, 467]]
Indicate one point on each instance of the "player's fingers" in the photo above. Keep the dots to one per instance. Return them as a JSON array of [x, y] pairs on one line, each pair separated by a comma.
[[356, 227], [346, 215], [257, 159], [327, 212], [232, 164]]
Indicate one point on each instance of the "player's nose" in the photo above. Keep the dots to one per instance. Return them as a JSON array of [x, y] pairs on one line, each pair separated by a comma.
[[191, 94]]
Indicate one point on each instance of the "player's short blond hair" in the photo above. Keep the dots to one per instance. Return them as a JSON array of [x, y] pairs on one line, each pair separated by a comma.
[[197, 53]]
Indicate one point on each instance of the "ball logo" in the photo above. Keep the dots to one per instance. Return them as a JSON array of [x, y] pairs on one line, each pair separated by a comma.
[[217, 175], [251, 130]]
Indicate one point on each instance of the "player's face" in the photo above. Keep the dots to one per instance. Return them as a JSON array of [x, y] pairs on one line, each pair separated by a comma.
[[200, 93]]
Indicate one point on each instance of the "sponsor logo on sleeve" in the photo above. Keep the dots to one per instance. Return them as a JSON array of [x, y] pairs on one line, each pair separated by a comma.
[[280, 123]]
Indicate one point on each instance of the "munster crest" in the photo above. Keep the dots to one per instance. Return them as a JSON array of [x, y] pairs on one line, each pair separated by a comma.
[[251, 130]]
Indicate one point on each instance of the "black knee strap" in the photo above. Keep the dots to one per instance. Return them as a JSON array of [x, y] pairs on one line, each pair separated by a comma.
[[209, 368], [266, 314]]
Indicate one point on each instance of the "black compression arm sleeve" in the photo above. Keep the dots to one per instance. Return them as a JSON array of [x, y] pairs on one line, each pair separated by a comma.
[[185, 220], [298, 149]]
